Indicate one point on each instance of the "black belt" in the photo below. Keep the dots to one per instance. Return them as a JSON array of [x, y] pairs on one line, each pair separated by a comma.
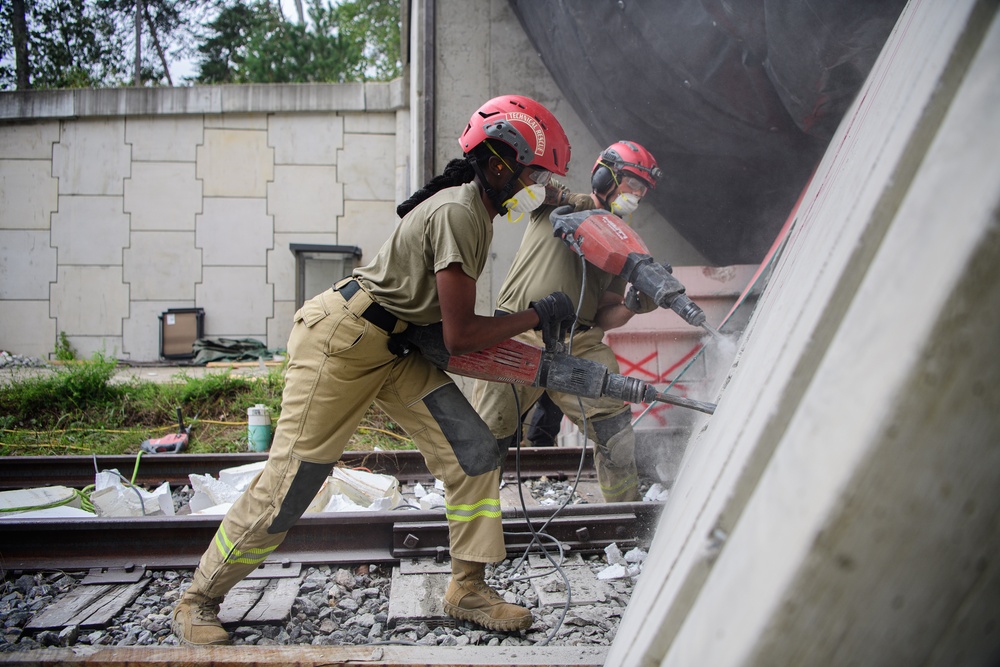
[[374, 313]]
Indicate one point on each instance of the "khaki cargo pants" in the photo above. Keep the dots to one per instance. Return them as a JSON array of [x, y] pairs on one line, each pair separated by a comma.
[[608, 419], [338, 364]]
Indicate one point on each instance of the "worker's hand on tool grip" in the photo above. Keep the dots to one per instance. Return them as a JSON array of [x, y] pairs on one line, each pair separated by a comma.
[[556, 193], [553, 310]]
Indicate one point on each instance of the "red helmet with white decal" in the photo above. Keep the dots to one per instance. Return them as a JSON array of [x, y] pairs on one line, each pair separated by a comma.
[[526, 126]]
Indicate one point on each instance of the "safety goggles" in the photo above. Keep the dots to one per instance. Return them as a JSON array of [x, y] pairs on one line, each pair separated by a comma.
[[539, 176], [634, 185]]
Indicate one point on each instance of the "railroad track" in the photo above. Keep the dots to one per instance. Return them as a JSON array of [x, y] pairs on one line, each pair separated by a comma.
[[329, 538]]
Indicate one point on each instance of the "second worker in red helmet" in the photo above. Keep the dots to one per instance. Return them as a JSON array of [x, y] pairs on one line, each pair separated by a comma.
[[621, 177]]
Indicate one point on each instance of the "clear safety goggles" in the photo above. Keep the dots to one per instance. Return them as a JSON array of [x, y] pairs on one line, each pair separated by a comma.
[[633, 185], [540, 176]]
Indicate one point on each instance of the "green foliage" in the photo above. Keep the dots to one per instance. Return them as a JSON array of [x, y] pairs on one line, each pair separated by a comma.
[[64, 350], [82, 408], [91, 43], [352, 41]]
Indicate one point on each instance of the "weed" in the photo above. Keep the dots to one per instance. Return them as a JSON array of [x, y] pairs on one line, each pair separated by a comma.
[[64, 351]]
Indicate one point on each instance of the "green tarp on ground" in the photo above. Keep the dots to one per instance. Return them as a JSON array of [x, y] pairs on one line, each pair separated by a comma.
[[230, 349]]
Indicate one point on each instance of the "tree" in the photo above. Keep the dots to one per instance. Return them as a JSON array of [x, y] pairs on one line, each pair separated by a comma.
[[253, 43], [83, 43]]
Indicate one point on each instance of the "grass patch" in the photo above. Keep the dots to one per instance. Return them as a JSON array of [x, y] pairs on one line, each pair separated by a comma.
[[79, 409]]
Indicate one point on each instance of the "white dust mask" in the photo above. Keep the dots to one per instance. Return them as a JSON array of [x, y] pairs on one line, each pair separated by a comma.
[[524, 201], [624, 204]]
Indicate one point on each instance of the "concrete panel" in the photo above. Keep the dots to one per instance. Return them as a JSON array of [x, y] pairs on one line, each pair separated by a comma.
[[844, 217], [894, 509], [163, 195], [254, 98], [86, 347], [90, 230], [165, 139], [27, 264], [366, 166], [461, 74], [162, 266], [280, 326], [305, 199], [236, 121], [91, 157], [281, 261], [89, 301], [235, 232], [27, 329], [237, 300], [141, 330], [367, 224], [28, 141], [370, 123], [28, 192], [235, 163], [305, 138]]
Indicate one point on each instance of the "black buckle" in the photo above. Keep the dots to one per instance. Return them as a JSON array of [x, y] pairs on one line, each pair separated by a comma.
[[374, 313]]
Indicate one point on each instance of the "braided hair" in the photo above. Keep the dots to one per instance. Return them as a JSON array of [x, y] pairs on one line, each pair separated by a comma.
[[457, 172]]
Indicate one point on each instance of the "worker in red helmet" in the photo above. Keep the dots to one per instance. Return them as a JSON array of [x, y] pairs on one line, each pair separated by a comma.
[[621, 177], [340, 362]]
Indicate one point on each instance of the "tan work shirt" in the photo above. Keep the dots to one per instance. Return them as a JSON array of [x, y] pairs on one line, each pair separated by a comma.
[[452, 226], [545, 264]]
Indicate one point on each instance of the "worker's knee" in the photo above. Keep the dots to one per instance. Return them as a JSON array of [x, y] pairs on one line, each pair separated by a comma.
[[476, 448], [616, 439]]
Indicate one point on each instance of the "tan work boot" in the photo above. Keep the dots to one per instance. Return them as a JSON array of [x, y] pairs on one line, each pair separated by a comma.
[[470, 598], [195, 620]]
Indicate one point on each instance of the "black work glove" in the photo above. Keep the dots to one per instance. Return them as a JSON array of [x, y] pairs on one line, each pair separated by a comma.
[[632, 301], [555, 315]]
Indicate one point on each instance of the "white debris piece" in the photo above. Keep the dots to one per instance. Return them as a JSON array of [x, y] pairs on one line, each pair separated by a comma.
[[656, 493], [616, 571], [114, 496], [345, 490], [635, 555], [24, 503], [210, 494], [614, 555], [419, 491], [432, 501], [239, 477]]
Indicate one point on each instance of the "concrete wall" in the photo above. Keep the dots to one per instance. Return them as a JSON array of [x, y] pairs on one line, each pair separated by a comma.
[[841, 506], [119, 204], [482, 52]]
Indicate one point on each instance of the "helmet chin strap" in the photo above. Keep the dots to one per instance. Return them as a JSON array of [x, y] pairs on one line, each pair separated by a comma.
[[497, 198]]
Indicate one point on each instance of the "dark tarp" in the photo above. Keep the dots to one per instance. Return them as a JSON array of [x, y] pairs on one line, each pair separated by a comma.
[[737, 99]]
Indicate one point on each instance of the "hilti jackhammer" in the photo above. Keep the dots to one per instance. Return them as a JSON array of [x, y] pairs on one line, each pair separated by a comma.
[[605, 241], [514, 362]]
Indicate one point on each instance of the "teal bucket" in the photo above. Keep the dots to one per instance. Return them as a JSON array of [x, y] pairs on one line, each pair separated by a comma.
[[259, 431]]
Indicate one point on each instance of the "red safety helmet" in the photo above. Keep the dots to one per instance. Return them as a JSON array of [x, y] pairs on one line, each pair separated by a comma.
[[524, 125], [624, 157]]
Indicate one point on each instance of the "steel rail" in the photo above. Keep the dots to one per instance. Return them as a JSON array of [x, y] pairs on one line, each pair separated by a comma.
[[23, 472], [332, 538]]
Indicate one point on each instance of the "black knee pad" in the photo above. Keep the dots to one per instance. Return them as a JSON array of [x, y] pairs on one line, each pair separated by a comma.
[[475, 446], [304, 487]]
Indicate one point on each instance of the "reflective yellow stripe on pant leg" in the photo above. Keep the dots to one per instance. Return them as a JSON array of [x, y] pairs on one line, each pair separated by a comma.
[[620, 489], [488, 507], [230, 554]]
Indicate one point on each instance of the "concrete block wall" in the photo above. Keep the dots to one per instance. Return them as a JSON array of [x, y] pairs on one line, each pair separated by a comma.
[[117, 207], [840, 507]]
